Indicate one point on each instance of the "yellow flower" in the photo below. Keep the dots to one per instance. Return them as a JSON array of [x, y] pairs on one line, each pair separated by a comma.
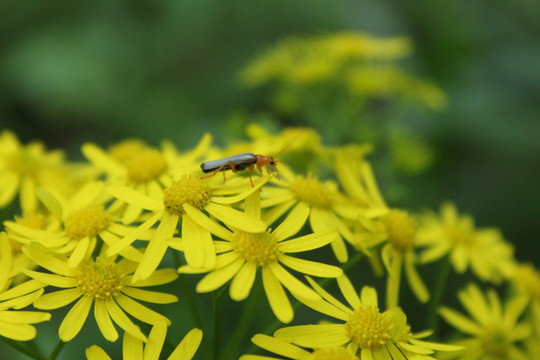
[[376, 335], [243, 253], [147, 170], [493, 330], [103, 283], [398, 229], [489, 256], [327, 206], [527, 281], [80, 221], [293, 352], [15, 324], [23, 168], [133, 347], [184, 199]]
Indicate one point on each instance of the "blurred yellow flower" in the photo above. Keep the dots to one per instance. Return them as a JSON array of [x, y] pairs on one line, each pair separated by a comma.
[[493, 330], [485, 251], [23, 168]]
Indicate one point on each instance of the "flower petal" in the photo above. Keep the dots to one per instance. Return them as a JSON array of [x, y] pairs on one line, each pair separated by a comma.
[[206, 223], [218, 277], [294, 221], [94, 352], [134, 197], [188, 346], [278, 300], [104, 322], [134, 235], [295, 286], [310, 267], [57, 299], [243, 281], [280, 347], [198, 246], [314, 336], [120, 318], [52, 279], [149, 296], [308, 242], [75, 319], [139, 311], [235, 218], [350, 294]]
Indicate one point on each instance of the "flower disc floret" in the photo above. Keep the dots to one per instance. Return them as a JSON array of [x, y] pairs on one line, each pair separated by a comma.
[[188, 189], [260, 249], [333, 353], [146, 166], [86, 222], [312, 192], [496, 342], [99, 280], [33, 221], [401, 230], [368, 328]]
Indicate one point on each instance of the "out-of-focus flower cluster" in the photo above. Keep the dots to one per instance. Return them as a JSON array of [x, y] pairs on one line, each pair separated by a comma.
[[93, 235]]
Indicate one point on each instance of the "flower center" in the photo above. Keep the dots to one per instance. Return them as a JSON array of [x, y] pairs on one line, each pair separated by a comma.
[[368, 328], [22, 163], [86, 222], [312, 192], [145, 166], [127, 149], [401, 230], [495, 341], [260, 249], [99, 279], [333, 353], [33, 221], [188, 189]]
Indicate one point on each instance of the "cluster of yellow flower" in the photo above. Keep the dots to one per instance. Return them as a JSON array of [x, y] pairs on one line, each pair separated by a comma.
[[93, 235]]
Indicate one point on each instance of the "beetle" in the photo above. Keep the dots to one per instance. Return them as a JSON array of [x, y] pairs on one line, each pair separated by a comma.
[[239, 162]]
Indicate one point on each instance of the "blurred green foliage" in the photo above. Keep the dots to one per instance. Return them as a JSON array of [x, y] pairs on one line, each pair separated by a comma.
[[102, 71]]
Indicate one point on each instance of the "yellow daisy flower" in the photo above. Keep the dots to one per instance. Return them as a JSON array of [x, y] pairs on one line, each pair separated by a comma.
[[243, 253], [15, 324], [485, 251], [133, 347], [23, 168], [376, 335], [184, 199], [527, 282], [493, 330], [81, 220], [103, 283], [293, 352], [327, 206], [147, 170], [398, 229]]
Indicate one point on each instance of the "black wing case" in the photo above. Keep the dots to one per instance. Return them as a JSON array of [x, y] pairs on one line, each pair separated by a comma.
[[240, 162]]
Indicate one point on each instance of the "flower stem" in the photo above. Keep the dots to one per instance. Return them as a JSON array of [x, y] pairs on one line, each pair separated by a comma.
[[245, 320], [188, 293], [218, 302], [56, 350], [438, 289], [22, 349]]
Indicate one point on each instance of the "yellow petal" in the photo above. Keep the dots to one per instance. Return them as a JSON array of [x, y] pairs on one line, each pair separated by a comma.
[[27, 195], [52, 279], [9, 185], [243, 281], [350, 294], [48, 261], [159, 277], [57, 299], [157, 247], [75, 319], [416, 283], [132, 348], [101, 160], [134, 235], [149, 296], [188, 346], [94, 352], [154, 345], [5, 259], [234, 199], [79, 252], [218, 277], [104, 322], [459, 321], [235, 218], [24, 317], [310, 267], [139, 311], [278, 300], [294, 221], [206, 223], [198, 246], [20, 332], [314, 336], [308, 242], [133, 197], [120, 318], [280, 347], [276, 212], [295, 286]]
